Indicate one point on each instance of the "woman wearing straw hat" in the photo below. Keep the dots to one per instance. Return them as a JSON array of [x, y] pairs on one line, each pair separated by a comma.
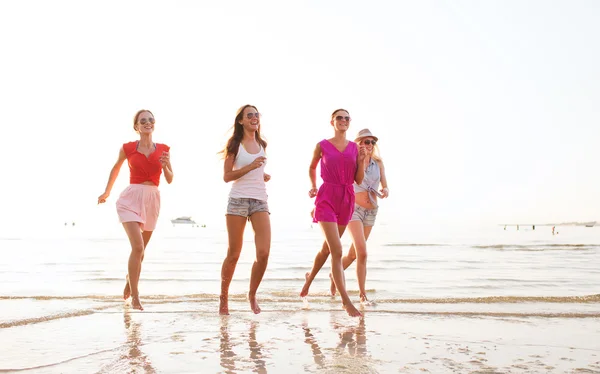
[[365, 208]]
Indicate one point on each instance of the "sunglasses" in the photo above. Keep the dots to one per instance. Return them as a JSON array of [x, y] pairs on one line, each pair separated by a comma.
[[252, 115], [339, 118], [144, 121], [369, 142]]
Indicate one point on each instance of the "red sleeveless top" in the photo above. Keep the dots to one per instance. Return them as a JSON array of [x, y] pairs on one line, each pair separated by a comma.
[[144, 168]]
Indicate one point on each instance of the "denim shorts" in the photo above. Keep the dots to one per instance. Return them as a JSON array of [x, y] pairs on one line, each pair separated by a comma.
[[366, 216], [246, 207]]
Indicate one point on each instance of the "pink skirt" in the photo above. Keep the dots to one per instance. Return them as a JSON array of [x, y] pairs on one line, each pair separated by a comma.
[[139, 203]]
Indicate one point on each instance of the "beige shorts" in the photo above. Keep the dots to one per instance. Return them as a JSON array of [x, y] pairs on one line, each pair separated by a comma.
[[139, 203], [246, 207], [366, 216]]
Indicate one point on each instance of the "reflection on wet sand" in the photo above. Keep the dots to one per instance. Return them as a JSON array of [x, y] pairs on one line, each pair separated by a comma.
[[353, 337], [352, 344], [225, 349], [137, 360], [229, 358], [256, 354], [314, 346]]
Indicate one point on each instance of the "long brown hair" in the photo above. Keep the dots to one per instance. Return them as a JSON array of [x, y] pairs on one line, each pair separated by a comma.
[[233, 144]]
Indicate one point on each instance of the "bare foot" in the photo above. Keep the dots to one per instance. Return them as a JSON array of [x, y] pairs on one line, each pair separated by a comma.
[[135, 303], [352, 311], [223, 305], [332, 288], [253, 304], [304, 291], [127, 290], [363, 298]]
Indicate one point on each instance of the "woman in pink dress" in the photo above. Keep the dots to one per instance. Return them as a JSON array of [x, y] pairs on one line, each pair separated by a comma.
[[334, 203]]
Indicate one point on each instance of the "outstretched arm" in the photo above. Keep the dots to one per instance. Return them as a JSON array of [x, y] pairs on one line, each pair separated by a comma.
[[114, 173]]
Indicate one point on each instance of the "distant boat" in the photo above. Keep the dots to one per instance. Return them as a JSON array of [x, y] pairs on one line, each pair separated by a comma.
[[183, 220], [590, 224]]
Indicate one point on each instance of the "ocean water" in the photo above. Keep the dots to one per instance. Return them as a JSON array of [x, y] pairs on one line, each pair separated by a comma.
[[71, 279]]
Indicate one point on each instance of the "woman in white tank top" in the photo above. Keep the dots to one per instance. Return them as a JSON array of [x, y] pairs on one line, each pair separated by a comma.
[[244, 165]]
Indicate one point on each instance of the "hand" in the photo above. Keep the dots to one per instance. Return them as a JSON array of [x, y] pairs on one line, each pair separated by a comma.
[[385, 192], [312, 192], [362, 153], [258, 162], [165, 159], [267, 177], [102, 198]]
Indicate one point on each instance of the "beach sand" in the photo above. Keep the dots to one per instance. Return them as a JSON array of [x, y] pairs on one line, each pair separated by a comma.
[[177, 338]]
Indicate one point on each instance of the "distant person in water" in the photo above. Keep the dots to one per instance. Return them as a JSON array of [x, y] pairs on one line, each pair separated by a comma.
[[244, 165], [365, 208], [138, 205], [334, 203]]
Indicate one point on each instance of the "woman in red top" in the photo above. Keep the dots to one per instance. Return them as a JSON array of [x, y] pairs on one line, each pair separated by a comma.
[[138, 205]]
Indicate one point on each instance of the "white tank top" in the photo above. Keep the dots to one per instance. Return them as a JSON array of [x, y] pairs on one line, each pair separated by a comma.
[[252, 185]]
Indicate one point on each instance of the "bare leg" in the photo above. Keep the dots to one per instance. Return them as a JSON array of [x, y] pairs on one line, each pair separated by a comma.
[[359, 240], [262, 239], [235, 233], [347, 260], [361, 267], [332, 237], [320, 260], [135, 260], [146, 235]]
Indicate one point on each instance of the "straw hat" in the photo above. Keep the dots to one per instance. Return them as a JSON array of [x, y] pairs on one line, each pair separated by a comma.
[[365, 133]]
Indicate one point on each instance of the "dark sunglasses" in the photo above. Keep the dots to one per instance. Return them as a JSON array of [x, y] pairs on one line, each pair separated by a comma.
[[339, 118], [252, 115], [368, 142], [144, 121]]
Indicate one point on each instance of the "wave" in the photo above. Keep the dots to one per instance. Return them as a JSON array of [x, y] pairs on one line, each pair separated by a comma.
[[414, 245], [56, 363], [539, 247], [33, 320], [282, 305], [282, 296], [517, 247]]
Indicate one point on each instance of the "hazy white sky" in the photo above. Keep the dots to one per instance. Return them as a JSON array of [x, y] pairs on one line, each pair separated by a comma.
[[487, 111]]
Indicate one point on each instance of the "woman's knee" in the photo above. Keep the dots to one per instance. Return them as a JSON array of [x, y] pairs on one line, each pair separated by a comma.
[[233, 255], [361, 253], [262, 256], [137, 249]]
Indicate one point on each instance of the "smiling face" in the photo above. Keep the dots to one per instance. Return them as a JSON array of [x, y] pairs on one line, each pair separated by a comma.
[[341, 120], [144, 122], [250, 119], [368, 142]]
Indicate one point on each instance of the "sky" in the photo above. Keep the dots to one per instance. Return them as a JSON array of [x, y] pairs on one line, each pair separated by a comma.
[[486, 111]]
